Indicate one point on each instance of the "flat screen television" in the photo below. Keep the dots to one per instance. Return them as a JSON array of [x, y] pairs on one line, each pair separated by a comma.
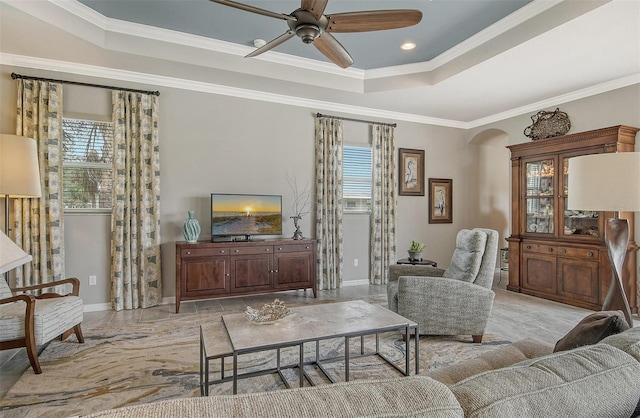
[[245, 215]]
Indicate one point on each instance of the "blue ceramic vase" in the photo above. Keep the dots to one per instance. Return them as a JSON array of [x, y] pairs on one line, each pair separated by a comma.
[[191, 228]]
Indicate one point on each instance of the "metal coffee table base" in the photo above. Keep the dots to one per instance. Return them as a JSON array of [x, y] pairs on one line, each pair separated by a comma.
[[223, 350]]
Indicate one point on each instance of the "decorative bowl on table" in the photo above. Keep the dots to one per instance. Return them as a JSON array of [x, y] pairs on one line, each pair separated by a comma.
[[269, 313]]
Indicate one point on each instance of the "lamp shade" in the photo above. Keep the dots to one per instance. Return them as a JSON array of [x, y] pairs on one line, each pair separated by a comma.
[[605, 182], [11, 256], [19, 173]]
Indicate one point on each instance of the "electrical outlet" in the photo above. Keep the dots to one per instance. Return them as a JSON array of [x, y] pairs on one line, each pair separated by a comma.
[[355, 262], [92, 280]]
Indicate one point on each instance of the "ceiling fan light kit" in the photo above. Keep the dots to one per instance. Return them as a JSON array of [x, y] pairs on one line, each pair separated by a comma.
[[311, 25]]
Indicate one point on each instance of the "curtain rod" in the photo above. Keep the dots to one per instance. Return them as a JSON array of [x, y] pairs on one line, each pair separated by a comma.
[[320, 115], [26, 77]]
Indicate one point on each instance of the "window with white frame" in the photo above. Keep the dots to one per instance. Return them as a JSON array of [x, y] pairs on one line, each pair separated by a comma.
[[87, 164], [356, 178]]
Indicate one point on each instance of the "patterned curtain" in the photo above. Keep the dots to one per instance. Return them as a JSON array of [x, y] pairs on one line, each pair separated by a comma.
[[39, 223], [329, 202], [136, 280], [382, 251]]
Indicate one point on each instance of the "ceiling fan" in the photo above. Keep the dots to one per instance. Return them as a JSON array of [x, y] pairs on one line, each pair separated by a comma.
[[311, 24]]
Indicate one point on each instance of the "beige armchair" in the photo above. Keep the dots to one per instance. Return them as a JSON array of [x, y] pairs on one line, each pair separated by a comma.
[[29, 321], [455, 301]]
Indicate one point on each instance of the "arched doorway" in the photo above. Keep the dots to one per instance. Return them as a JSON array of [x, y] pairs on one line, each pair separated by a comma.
[[490, 170]]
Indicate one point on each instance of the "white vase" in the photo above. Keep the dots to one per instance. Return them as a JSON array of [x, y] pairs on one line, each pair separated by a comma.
[[415, 255]]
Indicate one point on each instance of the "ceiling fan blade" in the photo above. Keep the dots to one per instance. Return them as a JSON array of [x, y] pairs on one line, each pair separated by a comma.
[[333, 50], [316, 7], [373, 20], [253, 9], [270, 45]]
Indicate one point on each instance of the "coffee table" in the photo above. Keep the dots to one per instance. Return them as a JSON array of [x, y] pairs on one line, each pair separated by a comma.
[[305, 324]]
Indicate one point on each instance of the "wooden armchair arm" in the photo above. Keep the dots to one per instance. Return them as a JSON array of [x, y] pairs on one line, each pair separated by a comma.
[[25, 298], [75, 283], [30, 309]]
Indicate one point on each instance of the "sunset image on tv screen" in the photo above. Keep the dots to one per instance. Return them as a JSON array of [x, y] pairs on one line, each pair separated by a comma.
[[246, 214]]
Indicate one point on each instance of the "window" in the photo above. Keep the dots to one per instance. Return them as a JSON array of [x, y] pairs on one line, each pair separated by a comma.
[[356, 178], [87, 164]]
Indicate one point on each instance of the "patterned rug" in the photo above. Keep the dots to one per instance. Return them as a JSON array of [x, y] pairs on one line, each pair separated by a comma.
[[148, 361]]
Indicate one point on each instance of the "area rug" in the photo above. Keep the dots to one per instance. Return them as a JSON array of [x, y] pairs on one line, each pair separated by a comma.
[[143, 362]]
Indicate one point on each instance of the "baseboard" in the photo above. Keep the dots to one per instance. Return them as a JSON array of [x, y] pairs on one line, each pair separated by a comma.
[[361, 282], [96, 307], [168, 300]]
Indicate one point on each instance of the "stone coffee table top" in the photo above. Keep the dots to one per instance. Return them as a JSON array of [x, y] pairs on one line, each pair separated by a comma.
[[310, 323]]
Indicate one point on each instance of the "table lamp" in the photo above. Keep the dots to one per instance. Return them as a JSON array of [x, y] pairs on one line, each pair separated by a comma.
[[19, 172], [11, 256], [608, 182]]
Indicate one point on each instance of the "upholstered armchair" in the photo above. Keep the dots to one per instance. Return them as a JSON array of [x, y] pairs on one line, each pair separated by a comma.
[[29, 321], [455, 301]]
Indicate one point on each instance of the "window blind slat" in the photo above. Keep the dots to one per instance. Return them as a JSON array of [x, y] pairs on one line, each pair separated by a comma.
[[357, 175]]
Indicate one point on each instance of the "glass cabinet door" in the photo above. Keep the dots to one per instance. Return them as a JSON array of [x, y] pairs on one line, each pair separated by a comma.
[[577, 222], [539, 198]]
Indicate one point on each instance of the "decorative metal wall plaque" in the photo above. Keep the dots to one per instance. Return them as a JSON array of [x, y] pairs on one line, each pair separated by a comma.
[[548, 125]]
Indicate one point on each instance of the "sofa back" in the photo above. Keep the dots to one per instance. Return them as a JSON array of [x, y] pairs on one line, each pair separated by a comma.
[[591, 381]]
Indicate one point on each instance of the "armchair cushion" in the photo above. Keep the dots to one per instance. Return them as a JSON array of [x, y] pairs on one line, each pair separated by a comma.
[[52, 317], [467, 257], [450, 307]]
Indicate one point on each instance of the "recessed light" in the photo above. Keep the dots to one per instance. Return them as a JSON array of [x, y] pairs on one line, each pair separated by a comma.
[[408, 46]]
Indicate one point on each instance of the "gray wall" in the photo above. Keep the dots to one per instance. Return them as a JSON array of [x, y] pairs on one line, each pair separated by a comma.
[[225, 144]]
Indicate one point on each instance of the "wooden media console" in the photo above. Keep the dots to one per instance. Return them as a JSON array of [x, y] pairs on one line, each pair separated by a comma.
[[207, 270]]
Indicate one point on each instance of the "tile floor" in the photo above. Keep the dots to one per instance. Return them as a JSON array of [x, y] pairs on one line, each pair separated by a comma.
[[514, 316]]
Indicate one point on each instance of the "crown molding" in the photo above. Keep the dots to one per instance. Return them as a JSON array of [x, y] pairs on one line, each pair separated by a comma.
[[157, 81], [149, 32], [107, 24], [558, 100]]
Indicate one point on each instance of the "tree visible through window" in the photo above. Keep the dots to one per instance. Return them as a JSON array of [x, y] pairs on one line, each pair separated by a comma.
[[87, 163], [356, 178]]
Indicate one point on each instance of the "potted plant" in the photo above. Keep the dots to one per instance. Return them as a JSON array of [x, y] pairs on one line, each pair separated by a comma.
[[415, 250]]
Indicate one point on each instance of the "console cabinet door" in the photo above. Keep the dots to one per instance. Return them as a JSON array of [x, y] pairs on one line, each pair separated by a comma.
[[539, 273], [251, 272], [293, 268], [578, 279], [205, 276]]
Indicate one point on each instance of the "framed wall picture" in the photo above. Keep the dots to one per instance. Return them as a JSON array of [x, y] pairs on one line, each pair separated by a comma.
[[440, 201], [411, 176]]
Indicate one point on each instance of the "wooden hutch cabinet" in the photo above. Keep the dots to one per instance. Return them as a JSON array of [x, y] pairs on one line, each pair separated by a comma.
[[218, 269], [556, 253]]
